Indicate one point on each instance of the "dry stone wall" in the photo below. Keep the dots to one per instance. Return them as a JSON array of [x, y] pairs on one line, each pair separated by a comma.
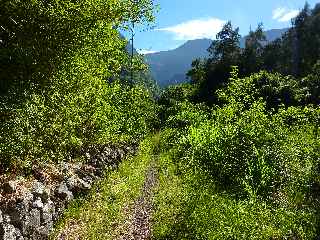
[[29, 212]]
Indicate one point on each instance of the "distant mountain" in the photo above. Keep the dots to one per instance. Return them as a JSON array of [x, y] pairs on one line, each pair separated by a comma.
[[170, 67]]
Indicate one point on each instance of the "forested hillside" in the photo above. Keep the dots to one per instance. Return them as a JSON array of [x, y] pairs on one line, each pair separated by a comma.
[[89, 148], [170, 67]]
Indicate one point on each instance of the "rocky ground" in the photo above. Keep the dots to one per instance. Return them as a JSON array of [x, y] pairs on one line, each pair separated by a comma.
[[140, 222]]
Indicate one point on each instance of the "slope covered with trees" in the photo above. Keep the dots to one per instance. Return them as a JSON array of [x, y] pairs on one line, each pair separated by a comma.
[[295, 54]]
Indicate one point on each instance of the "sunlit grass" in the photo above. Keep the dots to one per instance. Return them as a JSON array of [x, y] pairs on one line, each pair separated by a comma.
[[190, 206], [106, 214]]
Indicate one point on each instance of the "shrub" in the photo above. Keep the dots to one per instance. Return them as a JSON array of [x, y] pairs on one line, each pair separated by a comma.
[[256, 152], [273, 88], [68, 58]]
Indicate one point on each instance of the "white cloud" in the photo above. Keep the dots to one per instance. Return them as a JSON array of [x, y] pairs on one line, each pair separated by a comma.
[[278, 12], [146, 51], [288, 16], [196, 29], [284, 14]]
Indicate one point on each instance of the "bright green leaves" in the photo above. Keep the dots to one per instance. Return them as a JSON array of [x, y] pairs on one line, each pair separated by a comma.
[[67, 57], [139, 11], [273, 88], [253, 143], [259, 153]]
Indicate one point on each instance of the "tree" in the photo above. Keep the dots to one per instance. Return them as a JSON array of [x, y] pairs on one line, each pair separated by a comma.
[[272, 56], [225, 49], [62, 55], [197, 72], [251, 59], [36, 36], [301, 37], [224, 53], [310, 87]]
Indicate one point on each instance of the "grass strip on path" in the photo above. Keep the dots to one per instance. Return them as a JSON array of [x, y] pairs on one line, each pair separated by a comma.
[[107, 212]]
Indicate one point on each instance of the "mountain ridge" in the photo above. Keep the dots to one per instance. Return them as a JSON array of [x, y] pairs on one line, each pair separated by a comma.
[[170, 67]]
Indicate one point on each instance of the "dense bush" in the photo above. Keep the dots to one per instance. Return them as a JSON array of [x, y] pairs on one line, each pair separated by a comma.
[[246, 173], [273, 88], [310, 87], [56, 128], [177, 109], [247, 169], [67, 58], [247, 147], [259, 153]]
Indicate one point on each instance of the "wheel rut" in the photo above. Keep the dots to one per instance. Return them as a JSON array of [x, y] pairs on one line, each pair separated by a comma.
[[140, 221]]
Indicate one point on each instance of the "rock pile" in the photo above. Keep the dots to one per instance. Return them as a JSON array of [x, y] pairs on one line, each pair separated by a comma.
[[35, 209]]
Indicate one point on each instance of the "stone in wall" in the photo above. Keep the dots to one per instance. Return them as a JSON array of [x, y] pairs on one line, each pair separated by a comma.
[[35, 209]]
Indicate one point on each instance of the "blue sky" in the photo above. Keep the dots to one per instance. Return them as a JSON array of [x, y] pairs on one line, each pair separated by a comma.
[[182, 20]]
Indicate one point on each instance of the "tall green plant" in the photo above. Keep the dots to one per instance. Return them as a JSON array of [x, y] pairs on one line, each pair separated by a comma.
[[68, 58]]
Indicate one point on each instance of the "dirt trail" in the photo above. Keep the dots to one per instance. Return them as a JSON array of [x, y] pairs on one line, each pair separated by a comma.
[[140, 223]]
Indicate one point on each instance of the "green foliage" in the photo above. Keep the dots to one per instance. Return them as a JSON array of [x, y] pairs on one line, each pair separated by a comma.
[[40, 34], [212, 73], [67, 58], [295, 53], [248, 169], [189, 205], [246, 146], [177, 93], [274, 89], [185, 114], [226, 48], [197, 71], [258, 153], [252, 54], [58, 127], [310, 85], [177, 110]]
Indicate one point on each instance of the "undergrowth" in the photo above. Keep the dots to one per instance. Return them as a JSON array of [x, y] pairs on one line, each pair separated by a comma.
[[190, 205], [241, 170]]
